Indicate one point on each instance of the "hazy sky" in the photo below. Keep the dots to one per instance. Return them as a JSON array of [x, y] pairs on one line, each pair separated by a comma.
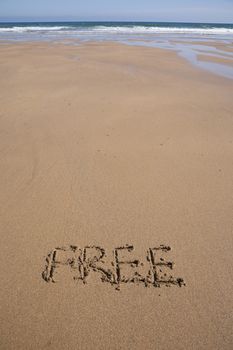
[[151, 10]]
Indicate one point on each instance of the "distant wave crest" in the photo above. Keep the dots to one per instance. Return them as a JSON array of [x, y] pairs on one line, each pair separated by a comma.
[[31, 29], [163, 30], [121, 29]]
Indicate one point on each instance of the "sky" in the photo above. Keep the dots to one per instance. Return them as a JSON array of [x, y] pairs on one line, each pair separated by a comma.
[[122, 10]]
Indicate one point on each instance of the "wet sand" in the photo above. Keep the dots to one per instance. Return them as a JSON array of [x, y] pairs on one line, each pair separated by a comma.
[[103, 145], [227, 61]]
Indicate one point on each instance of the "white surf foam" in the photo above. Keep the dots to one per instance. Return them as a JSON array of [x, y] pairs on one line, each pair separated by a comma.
[[31, 29], [120, 30], [163, 30]]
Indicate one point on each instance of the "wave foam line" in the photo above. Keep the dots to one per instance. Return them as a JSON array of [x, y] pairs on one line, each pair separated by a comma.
[[31, 29], [119, 29]]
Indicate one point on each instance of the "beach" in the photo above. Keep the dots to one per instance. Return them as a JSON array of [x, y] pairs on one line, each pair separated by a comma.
[[116, 199]]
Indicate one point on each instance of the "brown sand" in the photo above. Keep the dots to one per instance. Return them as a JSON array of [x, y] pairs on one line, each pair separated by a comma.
[[105, 145]]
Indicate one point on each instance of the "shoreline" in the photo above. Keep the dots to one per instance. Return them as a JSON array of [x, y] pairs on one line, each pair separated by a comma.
[[210, 56]]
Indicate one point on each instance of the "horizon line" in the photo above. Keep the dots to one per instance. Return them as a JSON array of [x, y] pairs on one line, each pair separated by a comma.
[[104, 21]]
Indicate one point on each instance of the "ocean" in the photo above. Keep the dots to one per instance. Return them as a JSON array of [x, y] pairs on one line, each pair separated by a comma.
[[109, 30]]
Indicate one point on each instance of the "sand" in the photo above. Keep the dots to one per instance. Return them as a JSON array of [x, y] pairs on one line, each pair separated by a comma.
[[104, 145]]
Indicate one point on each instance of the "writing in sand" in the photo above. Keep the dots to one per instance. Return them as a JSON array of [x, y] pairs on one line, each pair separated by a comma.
[[82, 264]]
